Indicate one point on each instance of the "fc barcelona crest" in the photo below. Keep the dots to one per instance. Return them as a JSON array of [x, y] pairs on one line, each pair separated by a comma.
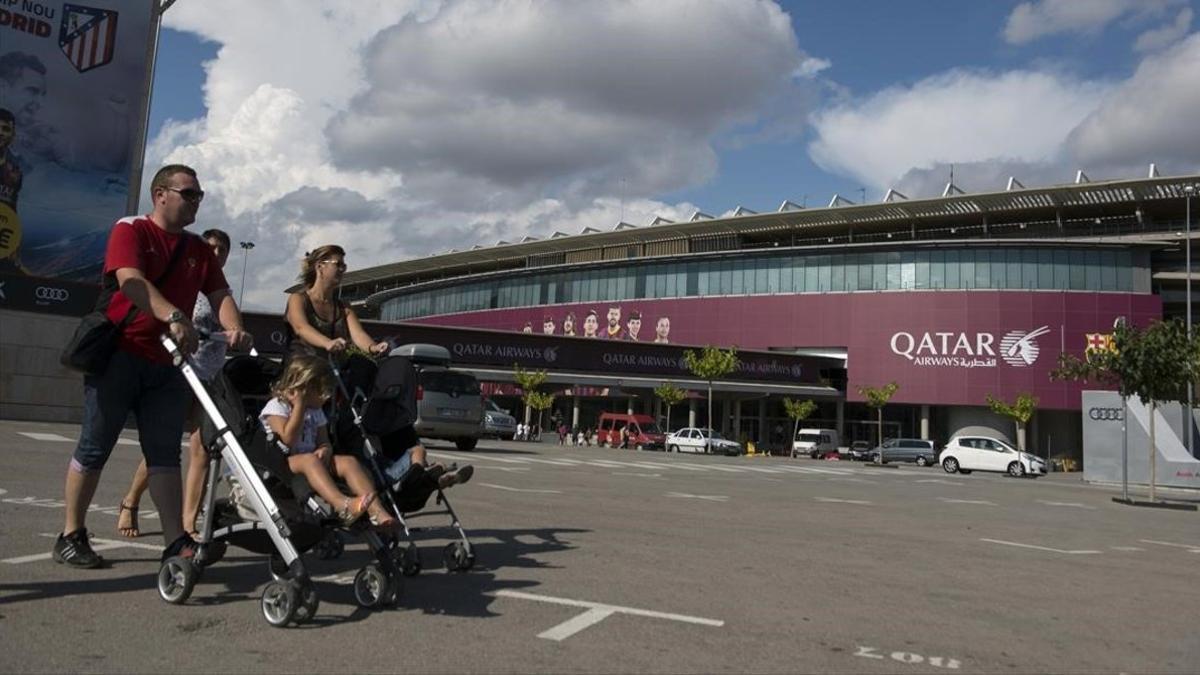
[[87, 36]]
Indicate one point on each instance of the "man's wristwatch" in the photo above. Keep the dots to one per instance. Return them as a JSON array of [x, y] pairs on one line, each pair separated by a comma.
[[176, 317]]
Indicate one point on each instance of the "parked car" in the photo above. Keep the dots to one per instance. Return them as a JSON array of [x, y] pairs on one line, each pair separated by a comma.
[[964, 454], [922, 452], [644, 434], [497, 422], [693, 439], [814, 442], [859, 451], [449, 404]]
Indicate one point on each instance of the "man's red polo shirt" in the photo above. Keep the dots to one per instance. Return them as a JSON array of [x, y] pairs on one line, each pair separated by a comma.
[[137, 242]]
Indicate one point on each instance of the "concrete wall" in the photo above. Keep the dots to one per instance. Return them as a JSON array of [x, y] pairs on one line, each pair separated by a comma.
[[33, 386]]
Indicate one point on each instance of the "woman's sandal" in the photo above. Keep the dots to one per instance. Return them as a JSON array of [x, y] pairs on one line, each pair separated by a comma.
[[130, 530], [351, 514]]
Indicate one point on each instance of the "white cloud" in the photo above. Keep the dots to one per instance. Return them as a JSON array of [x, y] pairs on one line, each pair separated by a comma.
[[402, 128], [1032, 20], [955, 117], [812, 65], [1157, 38]]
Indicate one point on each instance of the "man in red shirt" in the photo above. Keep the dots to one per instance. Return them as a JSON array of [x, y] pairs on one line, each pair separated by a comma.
[[140, 377]]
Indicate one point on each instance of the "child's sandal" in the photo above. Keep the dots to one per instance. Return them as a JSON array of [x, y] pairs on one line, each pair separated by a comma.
[[352, 514]]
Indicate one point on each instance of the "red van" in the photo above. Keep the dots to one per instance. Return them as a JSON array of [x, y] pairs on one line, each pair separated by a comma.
[[644, 434]]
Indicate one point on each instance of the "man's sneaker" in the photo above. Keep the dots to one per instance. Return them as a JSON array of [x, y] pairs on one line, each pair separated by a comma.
[[456, 477], [74, 550]]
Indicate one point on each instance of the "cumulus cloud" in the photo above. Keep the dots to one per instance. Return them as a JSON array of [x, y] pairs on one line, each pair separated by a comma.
[[1038, 126], [520, 94], [1157, 38], [402, 128], [955, 117], [1032, 20]]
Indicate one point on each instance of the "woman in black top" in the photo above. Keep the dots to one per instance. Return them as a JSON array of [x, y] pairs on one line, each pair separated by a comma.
[[317, 321]]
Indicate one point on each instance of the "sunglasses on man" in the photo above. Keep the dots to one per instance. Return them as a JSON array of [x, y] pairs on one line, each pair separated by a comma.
[[189, 194]]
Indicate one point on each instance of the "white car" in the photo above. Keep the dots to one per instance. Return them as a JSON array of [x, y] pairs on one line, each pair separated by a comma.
[[692, 439], [964, 454]]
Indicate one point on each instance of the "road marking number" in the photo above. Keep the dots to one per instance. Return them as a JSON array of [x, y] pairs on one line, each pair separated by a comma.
[[909, 658]]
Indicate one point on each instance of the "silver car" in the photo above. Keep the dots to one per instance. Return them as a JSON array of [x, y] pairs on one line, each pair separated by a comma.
[[449, 404], [497, 422], [923, 452]]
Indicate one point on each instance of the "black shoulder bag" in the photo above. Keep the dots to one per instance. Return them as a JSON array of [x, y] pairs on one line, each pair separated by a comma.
[[95, 339]]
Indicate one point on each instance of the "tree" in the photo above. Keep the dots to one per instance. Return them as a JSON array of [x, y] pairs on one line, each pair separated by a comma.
[[711, 364], [1021, 411], [798, 411], [670, 395], [877, 397], [1156, 364], [539, 401], [529, 381]]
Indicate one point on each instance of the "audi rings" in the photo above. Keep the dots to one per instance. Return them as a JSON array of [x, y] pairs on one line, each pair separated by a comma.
[[48, 293], [1105, 414]]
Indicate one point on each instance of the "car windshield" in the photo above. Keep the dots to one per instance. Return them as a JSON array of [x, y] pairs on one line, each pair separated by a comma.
[[809, 438], [716, 435], [491, 405], [449, 382]]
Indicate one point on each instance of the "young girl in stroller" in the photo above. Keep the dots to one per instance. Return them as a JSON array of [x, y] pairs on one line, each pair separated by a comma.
[[299, 425]]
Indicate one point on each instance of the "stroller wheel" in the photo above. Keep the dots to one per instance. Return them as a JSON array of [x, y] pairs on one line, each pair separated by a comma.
[[330, 547], [280, 602], [371, 586], [308, 602], [457, 557], [176, 579]]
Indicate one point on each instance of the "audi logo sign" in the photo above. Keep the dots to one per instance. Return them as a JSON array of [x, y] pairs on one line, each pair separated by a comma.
[[1105, 414], [48, 294]]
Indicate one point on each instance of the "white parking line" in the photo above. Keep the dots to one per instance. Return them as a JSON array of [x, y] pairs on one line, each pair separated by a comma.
[[597, 612], [943, 481], [1190, 548], [639, 475], [1038, 548], [832, 500], [711, 498], [1070, 504], [513, 489], [1127, 548], [39, 436], [982, 502]]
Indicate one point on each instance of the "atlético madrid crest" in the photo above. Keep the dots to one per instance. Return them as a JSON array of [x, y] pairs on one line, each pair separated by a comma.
[[87, 36]]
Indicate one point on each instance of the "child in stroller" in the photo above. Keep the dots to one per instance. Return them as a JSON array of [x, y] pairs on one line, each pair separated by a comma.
[[295, 418]]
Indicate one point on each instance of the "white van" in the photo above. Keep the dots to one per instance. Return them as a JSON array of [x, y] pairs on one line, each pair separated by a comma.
[[815, 442]]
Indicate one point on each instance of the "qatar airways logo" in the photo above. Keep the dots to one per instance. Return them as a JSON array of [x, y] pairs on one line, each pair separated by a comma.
[[1017, 348]]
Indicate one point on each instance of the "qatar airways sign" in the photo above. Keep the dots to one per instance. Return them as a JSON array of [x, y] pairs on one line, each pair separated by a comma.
[[1017, 348]]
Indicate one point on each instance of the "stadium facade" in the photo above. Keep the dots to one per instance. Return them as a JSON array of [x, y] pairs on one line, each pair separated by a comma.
[[954, 298]]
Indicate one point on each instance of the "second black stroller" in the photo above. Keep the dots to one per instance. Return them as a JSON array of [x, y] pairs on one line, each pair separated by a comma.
[[380, 411]]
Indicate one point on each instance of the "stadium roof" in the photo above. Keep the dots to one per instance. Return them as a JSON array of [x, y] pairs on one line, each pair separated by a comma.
[[1121, 197]]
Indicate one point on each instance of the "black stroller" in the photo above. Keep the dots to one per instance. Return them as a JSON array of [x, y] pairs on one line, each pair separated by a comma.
[[290, 596], [381, 424]]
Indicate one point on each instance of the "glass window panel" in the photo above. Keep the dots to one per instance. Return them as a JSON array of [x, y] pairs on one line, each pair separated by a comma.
[[937, 269], [1124, 276], [851, 266], [693, 279], [983, 268], [878, 271], [1013, 273], [952, 270], [702, 286], [864, 272], [786, 278], [739, 279], [908, 270], [1108, 270], [1029, 268], [1046, 269], [998, 268], [921, 265], [966, 269], [726, 277], [1093, 270], [893, 270], [823, 273], [774, 271], [837, 273], [1078, 271], [761, 274], [672, 284], [1062, 269]]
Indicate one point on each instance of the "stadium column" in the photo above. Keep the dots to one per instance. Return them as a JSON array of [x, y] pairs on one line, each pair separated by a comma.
[[925, 422], [691, 412], [841, 419], [574, 412]]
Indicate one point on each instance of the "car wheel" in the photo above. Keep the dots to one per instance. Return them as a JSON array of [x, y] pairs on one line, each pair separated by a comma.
[[466, 444], [509, 437], [672, 448], [1015, 469], [950, 465], [921, 461]]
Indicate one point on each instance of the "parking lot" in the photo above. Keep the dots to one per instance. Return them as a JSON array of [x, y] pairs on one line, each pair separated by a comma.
[[600, 560]]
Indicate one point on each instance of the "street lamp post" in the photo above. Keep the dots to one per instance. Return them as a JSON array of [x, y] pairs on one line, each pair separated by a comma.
[[1189, 191], [246, 246]]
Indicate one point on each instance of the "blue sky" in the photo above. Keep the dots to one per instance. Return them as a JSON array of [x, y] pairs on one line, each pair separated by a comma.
[[470, 121]]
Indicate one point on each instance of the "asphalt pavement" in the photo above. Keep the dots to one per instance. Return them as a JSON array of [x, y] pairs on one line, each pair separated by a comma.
[[596, 560]]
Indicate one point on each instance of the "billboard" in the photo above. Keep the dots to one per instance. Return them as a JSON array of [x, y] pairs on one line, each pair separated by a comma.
[[74, 86], [941, 347]]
